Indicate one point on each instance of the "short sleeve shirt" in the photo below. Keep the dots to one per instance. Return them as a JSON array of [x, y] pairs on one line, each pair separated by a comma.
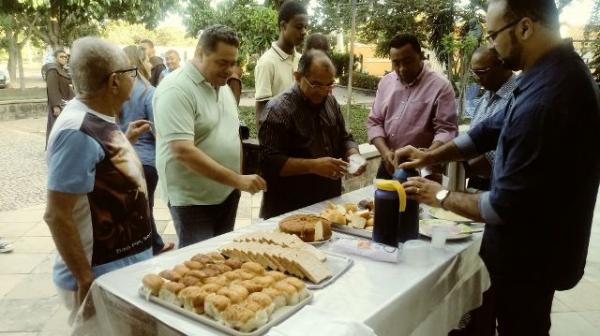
[[274, 72], [89, 156], [187, 107]]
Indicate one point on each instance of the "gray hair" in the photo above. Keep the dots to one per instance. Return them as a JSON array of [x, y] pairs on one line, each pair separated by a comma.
[[212, 35], [92, 61]]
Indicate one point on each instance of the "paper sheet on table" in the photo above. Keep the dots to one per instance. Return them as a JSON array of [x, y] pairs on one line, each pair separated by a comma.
[[319, 322]]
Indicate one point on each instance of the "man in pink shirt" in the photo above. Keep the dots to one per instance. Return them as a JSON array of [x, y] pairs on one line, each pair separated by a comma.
[[413, 106]]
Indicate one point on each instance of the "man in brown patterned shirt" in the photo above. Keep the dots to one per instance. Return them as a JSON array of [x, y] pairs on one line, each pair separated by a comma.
[[304, 139]]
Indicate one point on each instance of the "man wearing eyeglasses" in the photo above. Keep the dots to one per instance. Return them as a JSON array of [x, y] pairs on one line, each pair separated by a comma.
[[539, 210], [499, 82], [413, 106], [97, 208], [305, 144]]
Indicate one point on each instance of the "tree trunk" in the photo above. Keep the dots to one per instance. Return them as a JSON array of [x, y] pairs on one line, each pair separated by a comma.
[[12, 55], [21, 71]]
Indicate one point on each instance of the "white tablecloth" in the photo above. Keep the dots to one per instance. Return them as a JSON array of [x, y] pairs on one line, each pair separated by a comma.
[[392, 299]]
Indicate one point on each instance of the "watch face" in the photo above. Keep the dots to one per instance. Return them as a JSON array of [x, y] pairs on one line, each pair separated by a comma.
[[441, 195]]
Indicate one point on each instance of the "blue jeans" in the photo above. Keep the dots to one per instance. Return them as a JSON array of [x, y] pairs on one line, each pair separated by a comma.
[[195, 223]]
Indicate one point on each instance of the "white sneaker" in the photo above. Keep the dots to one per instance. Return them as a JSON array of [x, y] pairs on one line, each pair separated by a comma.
[[5, 246]]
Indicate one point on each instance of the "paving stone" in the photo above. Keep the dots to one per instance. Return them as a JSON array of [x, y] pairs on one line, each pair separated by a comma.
[[244, 213], [240, 223], [593, 317], [58, 323], [40, 230], [162, 214], [571, 324], [26, 315], [26, 244], [15, 263], [9, 281], [170, 229], [15, 229], [584, 297], [45, 266], [41, 283]]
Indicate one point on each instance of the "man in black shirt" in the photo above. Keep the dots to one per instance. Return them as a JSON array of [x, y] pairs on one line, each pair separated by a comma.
[[539, 210], [304, 140]]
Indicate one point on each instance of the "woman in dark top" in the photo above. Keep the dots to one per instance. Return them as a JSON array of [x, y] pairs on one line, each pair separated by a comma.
[[58, 87]]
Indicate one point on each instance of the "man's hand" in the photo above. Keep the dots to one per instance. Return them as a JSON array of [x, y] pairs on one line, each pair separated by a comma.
[[410, 157], [329, 167], [422, 190], [251, 183], [136, 129], [388, 162], [82, 290], [56, 111]]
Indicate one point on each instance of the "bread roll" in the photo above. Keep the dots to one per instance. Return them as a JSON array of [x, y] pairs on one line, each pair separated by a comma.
[[219, 280], [168, 293], [210, 288], [215, 304], [170, 275], [253, 267], [233, 295], [251, 286], [244, 319], [234, 263], [299, 285], [193, 265], [264, 300], [202, 258], [216, 257], [264, 281], [181, 270], [152, 284], [193, 299], [290, 292], [201, 275], [188, 281], [277, 296], [276, 275]]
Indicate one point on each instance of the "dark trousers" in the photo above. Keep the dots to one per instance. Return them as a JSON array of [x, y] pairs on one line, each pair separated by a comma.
[[151, 180], [195, 223], [522, 307]]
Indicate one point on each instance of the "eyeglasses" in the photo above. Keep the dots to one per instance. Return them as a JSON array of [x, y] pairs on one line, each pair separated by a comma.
[[491, 37], [132, 72], [480, 72], [319, 86], [63, 56]]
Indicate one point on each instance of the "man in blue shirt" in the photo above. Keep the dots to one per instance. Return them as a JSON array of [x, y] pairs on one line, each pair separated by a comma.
[[539, 211]]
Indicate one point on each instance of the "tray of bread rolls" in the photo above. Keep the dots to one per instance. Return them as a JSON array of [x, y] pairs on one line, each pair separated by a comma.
[[236, 297], [356, 219], [289, 254]]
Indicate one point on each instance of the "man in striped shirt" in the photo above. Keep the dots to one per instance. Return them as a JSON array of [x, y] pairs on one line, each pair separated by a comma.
[[499, 83]]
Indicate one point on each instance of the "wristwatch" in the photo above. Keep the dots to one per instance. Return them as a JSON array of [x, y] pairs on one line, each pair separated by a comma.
[[441, 196]]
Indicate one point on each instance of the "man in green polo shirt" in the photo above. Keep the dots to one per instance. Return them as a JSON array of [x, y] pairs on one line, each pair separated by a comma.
[[198, 146], [274, 72]]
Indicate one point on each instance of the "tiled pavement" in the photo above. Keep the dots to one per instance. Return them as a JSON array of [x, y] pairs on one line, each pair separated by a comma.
[[29, 305]]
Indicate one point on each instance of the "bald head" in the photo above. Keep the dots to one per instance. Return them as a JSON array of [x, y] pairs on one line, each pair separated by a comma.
[[488, 70], [317, 41], [313, 59], [92, 61]]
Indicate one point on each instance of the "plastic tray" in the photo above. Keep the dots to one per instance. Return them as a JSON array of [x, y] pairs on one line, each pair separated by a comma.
[[352, 231], [338, 264], [278, 316]]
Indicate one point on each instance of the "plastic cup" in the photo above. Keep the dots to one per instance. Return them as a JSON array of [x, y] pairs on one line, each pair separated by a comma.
[[416, 253], [439, 234]]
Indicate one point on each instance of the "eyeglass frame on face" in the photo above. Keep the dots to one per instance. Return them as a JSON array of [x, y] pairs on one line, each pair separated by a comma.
[[491, 37], [319, 86], [480, 72], [135, 73]]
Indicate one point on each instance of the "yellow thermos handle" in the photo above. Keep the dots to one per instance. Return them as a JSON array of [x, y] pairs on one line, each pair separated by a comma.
[[393, 185]]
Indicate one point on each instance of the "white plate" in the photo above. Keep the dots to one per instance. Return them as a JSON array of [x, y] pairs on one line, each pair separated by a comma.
[[319, 242], [440, 213], [456, 232], [278, 316], [352, 231]]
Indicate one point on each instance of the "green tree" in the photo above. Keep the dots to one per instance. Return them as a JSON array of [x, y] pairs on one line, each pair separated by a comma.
[[63, 21], [256, 25]]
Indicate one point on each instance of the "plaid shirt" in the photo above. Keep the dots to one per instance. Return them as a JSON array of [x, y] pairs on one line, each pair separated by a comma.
[[491, 103]]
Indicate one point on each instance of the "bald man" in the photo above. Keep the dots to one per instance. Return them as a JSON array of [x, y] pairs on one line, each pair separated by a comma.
[[305, 143], [499, 83]]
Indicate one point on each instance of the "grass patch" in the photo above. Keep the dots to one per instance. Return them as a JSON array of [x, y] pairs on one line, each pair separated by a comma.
[[18, 94], [358, 121]]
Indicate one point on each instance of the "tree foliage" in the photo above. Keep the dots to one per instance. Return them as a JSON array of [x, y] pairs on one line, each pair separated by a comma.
[[124, 33], [61, 22], [256, 25]]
